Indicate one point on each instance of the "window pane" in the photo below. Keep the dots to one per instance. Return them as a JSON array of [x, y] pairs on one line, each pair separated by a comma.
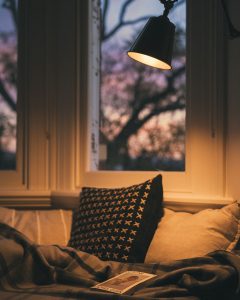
[[142, 109], [8, 83]]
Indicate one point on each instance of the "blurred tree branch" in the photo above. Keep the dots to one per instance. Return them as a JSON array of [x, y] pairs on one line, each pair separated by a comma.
[[6, 96], [135, 123]]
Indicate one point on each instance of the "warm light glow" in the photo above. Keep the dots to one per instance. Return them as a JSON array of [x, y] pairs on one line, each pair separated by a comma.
[[149, 60]]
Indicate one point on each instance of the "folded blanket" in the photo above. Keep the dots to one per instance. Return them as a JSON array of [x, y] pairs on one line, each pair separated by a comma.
[[36, 271]]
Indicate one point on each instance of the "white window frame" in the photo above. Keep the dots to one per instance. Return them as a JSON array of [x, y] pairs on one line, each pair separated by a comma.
[[204, 179]]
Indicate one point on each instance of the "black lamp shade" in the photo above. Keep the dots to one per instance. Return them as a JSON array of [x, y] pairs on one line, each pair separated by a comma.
[[154, 45]]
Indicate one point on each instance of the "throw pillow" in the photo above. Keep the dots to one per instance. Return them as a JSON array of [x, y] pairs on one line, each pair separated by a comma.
[[183, 235], [118, 224]]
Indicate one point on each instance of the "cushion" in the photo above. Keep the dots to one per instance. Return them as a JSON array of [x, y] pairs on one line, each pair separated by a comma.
[[184, 235], [118, 224], [40, 226]]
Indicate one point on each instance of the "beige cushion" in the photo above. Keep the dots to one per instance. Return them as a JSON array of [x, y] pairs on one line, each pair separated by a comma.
[[41, 226], [183, 235]]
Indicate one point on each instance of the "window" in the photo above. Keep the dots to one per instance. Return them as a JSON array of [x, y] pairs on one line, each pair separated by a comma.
[[28, 181], [8, 83], [142, 109], [203, 177], [58, 83]]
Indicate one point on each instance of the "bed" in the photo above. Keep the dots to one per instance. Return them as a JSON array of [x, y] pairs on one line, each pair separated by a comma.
[[63, 255]]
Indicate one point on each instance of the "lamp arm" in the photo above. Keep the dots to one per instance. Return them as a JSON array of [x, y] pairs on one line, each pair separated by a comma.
[[168, 4], [233, 32]]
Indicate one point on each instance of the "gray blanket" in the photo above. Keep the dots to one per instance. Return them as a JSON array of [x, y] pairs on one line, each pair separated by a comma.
[[30, 271]]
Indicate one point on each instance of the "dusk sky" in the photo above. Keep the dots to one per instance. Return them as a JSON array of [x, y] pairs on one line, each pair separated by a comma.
[[139, 8], [6, 23]]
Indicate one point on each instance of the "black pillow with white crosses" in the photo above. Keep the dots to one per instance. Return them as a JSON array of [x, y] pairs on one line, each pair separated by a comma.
[[118, 224]]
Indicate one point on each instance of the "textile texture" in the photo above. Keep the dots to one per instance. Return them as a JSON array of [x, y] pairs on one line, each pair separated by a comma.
[[30, 271]]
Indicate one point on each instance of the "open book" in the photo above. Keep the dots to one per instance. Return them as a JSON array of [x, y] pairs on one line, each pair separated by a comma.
[[124, 282]]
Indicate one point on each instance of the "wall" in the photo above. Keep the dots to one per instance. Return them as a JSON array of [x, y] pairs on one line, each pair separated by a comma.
[[233, 96]]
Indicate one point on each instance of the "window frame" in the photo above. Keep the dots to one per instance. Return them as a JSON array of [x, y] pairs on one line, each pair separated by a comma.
[[28, 185], [204, 176], [47, 107]]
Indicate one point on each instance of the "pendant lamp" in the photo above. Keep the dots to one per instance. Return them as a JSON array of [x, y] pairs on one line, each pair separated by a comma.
[[154, 44]]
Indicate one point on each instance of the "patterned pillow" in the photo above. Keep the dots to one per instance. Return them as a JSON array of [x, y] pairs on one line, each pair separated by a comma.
[[118, 224]]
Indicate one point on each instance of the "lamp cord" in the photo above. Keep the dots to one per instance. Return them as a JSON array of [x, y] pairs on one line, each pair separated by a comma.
[[233, 32], [168, 4]]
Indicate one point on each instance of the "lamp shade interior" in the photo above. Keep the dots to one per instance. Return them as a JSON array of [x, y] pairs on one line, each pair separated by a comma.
[[149, 60]]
